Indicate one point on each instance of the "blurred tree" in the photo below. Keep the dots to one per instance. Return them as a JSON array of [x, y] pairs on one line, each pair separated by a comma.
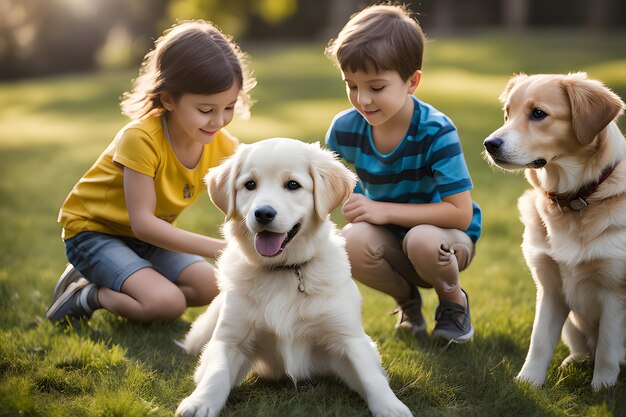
[[599, 14], [515, 14], [338, 13], [443, 16], [232, 16], [40, 37]]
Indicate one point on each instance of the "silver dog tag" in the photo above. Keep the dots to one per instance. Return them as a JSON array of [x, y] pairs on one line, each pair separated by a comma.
[[300, 282], [578, 204]]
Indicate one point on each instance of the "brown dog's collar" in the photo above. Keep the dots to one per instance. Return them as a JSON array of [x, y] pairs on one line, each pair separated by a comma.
[[578, 200]]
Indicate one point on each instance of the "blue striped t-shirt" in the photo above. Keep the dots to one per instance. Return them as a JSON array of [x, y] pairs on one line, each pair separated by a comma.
[[426, 166]]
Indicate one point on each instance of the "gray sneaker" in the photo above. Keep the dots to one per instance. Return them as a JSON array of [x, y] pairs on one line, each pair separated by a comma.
[[68, 276], [73, 302], [454, 323], [410, 316]]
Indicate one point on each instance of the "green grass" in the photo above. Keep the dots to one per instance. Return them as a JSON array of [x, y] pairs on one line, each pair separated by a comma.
[[52, 130]]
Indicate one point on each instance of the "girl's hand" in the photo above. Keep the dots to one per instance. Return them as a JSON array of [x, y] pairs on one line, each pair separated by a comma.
[[359, 208]]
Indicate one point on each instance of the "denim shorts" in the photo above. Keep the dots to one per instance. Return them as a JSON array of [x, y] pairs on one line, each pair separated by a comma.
[[108, 260]]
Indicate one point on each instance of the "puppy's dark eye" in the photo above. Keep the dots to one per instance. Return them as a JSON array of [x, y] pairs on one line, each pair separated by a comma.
[[538, 114], [250, 185], [292, 185]]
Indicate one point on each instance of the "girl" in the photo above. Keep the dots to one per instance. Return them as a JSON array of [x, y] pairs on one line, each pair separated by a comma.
[[125, 253]]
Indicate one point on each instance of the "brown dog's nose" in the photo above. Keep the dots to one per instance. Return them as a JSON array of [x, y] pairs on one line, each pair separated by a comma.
[[492, 144]]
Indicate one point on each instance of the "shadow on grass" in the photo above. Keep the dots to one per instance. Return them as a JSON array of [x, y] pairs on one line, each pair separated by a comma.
[[151, 345], [478, 379]]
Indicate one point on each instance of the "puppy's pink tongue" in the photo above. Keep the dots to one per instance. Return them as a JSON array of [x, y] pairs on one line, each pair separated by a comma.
[[269, 243]]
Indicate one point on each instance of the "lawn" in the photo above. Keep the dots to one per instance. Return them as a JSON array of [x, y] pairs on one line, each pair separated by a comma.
[[52, 130]]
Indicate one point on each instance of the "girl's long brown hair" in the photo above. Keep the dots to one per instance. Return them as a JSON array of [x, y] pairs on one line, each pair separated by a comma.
[[191, 57]]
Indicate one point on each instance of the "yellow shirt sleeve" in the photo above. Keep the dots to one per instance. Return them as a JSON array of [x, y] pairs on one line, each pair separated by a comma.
[[137, 150]]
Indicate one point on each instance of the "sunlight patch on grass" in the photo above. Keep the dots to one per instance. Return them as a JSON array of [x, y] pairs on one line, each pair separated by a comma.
[[45, 129], [306, 120], [16, 398], [610, 72], [85, 353], [121, 403], [457, 84]]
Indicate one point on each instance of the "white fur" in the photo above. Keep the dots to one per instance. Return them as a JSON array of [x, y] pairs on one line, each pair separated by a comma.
[[577, 258], [261, 321]]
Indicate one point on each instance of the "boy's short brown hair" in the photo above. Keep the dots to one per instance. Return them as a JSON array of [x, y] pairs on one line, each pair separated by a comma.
[[381, 37]]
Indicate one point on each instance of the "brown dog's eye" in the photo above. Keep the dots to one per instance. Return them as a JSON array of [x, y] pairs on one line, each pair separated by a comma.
[[250, 185], [538, 114]]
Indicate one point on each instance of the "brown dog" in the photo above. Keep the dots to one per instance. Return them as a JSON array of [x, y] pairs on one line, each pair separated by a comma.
[[562, 130]]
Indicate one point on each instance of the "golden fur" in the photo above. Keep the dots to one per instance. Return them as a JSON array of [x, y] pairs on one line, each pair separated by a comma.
[[562, 129], [265, 319]]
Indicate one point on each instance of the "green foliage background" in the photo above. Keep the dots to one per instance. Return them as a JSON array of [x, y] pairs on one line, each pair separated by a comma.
[[52, 130]]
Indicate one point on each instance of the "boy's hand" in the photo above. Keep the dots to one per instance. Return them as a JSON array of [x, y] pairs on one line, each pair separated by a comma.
[[359, 208]]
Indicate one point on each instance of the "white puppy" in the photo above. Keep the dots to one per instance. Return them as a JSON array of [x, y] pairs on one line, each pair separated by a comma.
[[562, 129], [288, 306]]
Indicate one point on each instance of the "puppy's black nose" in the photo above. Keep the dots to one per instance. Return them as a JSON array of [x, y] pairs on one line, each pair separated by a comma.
[[264, 214], [492, 144]]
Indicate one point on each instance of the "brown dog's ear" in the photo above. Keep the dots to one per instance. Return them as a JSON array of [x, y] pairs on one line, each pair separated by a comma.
[[509, 86], [332, 181], [221, 182], [593, 106]]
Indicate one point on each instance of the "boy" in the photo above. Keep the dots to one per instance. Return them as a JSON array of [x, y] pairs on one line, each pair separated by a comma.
[[412, 221]]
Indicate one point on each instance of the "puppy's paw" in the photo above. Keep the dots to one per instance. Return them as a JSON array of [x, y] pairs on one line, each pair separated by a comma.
[[534, 378], [573, 358], [394, 408], [194, 406], [603, 380]]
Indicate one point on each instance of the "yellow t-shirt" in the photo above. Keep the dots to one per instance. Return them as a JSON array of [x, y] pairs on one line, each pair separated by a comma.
[[97, 202]]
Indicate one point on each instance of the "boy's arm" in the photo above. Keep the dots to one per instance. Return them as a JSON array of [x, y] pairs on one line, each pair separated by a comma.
[[454, 212]]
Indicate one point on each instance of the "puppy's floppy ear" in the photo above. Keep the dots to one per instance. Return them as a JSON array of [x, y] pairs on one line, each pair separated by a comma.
[[332, 181], [593, 106], [509, 86], [221, 182]]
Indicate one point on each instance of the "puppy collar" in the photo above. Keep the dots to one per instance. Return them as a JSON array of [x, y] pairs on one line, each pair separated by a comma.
[[578, 200], [297, 269]]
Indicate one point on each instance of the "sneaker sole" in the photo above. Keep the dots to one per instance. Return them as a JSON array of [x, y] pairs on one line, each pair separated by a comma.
[[66, 296], [69, 276], [458, 340]]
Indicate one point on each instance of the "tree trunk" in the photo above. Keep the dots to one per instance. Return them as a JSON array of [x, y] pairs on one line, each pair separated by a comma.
[[598, 14], [515, 14], [339, 11]]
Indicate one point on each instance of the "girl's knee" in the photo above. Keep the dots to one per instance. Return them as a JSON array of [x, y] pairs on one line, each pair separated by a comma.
[[198, 284], [203, 294], [168, 305]]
